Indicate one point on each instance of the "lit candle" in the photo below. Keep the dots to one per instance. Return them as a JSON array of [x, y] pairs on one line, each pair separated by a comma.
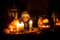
[[18, 25], [22, 26], [30, 24]]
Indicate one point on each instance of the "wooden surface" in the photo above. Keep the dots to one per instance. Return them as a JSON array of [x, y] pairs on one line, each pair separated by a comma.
[[33, 31]]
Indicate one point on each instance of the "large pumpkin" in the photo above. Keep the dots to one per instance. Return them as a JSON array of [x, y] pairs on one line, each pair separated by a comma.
[[43, 23]]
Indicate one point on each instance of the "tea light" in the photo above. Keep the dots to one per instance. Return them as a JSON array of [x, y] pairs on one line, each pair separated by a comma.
[[30, 24]]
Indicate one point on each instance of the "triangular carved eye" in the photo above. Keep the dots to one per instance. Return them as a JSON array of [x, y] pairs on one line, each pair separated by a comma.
[[45, 21]]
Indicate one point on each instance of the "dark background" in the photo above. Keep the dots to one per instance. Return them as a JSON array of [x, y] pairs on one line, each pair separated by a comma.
[[35, 7]]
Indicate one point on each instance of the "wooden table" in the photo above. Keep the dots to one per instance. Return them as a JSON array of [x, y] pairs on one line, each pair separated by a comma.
[[33, 31]]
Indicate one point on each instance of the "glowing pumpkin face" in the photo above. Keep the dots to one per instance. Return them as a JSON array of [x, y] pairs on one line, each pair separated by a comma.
[[57, 22], [43, 23], [13, 24]]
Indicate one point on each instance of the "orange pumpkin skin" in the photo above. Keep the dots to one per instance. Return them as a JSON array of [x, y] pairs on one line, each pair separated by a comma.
[[42, 23]]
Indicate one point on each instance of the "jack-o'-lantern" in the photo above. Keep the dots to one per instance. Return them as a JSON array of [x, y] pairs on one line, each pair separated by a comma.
[[57, 22], [13, 25], [43, 23]]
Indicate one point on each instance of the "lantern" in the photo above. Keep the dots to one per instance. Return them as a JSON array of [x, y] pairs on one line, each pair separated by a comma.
[[57, 22], [43, 23], [13, 25]]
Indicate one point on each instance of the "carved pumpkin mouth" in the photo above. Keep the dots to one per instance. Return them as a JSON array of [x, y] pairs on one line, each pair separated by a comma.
[[45, 26]]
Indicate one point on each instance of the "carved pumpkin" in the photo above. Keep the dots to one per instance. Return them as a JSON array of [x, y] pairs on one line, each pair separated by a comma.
[[57, 22], [43, 23]]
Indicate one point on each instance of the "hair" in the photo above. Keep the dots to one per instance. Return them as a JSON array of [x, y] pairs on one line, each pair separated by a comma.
[[25, 12]]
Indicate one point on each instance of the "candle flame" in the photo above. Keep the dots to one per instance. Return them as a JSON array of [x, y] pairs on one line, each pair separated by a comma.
[[30, 21], [22, 24]]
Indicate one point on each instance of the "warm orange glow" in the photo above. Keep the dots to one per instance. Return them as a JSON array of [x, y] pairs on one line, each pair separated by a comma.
[[16, 22], [56, 19], [7, 31], [21, 26], [43, 26], [11, 30], [57, 22], [18, 25], [45, 21], [13, 25], [42, 23], [47, 26], [30, 24]]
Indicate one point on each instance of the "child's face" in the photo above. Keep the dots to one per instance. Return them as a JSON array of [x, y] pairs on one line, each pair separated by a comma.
[[25, 17]]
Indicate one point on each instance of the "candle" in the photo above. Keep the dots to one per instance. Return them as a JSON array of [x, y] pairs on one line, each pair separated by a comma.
[[30, 24], [22, 26], [18, 25]]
